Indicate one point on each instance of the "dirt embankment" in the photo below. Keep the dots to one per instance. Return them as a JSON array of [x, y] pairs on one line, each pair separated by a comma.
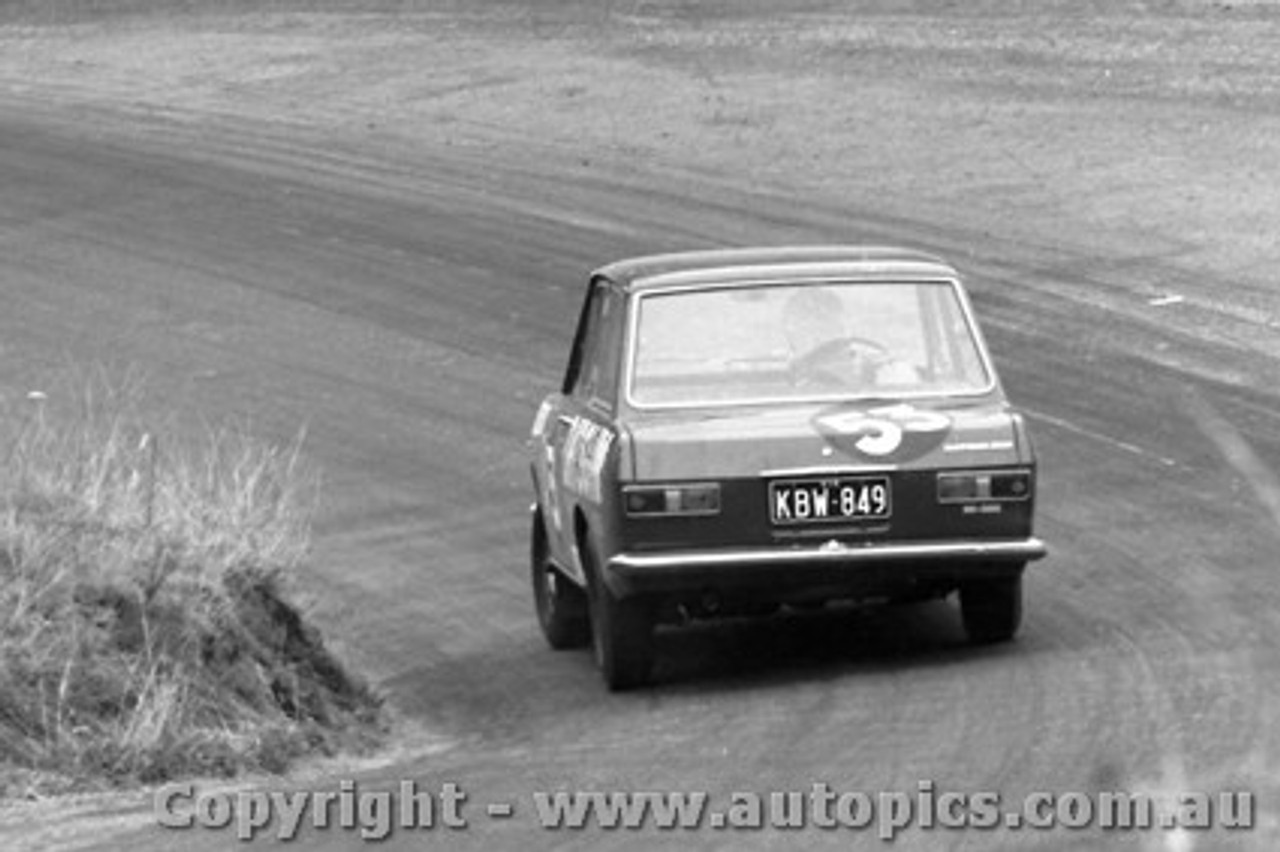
[[146, 598]]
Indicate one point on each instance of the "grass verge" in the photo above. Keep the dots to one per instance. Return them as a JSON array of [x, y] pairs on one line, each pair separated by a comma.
[[147, 633]]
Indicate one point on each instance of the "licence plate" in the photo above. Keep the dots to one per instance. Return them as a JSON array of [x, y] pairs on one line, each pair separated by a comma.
[[810, 501]]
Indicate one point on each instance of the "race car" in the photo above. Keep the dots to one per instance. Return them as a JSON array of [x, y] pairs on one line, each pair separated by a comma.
[[740, 431]]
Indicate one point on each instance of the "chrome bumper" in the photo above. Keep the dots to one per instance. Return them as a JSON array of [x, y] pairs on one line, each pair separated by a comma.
[[831, 553]]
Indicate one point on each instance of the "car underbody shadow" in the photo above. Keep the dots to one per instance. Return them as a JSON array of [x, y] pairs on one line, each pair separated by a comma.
[[835, 640]]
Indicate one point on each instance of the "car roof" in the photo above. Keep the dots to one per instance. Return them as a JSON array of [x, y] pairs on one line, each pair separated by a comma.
[[789, 263]]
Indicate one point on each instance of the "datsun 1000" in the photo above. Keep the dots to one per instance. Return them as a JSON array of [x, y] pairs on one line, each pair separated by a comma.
[[743, 430]]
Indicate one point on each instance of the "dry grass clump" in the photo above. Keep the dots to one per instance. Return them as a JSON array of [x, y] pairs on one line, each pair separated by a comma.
[[144, 630]]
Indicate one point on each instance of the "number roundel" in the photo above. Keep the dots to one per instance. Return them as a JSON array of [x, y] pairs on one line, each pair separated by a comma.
[[898, 431]]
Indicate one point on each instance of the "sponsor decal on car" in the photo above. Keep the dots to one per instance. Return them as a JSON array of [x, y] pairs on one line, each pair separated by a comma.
[[586, 448], [978, 447]]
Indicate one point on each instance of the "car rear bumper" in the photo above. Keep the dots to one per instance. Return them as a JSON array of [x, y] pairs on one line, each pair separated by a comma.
[[864, 568]]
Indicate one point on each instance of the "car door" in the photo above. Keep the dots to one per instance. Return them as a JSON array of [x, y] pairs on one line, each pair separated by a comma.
[[581, 430]]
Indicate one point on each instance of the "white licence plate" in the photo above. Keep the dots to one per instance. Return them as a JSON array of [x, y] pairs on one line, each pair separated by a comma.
[[815, 501]]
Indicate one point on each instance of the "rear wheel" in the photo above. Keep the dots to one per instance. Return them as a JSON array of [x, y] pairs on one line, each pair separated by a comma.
[[991, 609], [561, 605], [621, 630]]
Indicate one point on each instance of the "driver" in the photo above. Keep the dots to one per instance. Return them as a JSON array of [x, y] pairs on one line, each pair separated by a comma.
[[813, 322], [812, 316]]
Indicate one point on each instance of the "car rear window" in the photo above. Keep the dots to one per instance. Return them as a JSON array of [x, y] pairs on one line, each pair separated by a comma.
[[782, 342]]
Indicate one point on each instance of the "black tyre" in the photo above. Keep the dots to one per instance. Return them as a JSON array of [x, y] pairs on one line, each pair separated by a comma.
[[991, 609], [621, 631], [561, 605]]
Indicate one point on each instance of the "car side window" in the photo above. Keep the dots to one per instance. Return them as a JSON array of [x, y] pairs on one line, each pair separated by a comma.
[[601, 384], [593, 369], [581, 338]]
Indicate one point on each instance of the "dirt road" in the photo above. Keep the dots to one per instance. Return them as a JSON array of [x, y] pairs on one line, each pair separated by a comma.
[[377, 225]]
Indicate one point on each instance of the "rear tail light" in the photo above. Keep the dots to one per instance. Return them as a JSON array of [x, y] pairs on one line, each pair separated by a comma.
[[984, 486], [685, 499]]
